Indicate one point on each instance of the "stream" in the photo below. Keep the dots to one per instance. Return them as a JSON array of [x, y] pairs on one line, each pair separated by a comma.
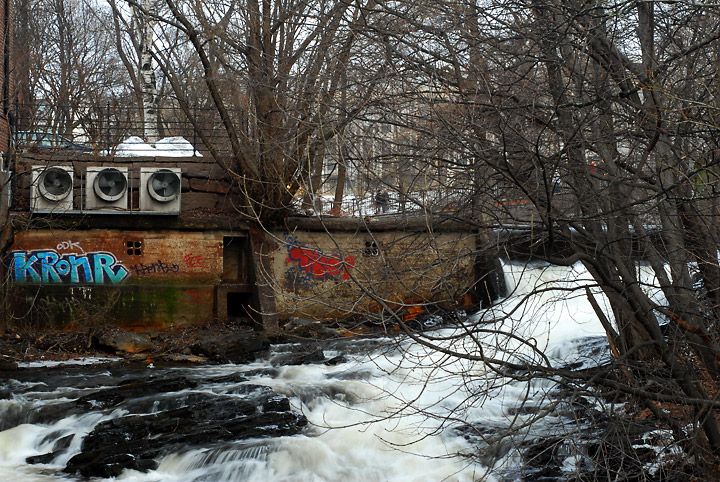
[[376, 409]]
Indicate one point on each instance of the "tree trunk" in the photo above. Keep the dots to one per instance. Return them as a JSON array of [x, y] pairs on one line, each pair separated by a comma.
[[147, 74]]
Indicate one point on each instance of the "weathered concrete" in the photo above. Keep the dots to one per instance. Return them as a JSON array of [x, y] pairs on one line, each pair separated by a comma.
[[136, 279], [317, 274], [142, 270], [169, 278]]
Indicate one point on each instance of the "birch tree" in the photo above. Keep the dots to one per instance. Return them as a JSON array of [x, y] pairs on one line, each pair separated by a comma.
[[272, 72], [147, 73]]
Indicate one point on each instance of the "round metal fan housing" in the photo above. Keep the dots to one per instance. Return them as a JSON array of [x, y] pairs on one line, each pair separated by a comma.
[[55, 184], [110, 184], [164, 185]]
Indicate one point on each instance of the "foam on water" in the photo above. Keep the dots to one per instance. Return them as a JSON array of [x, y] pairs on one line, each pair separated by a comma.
[[389, 413], [69, 362]]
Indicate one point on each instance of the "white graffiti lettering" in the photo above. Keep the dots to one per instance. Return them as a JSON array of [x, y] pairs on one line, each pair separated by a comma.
[[68, 245]]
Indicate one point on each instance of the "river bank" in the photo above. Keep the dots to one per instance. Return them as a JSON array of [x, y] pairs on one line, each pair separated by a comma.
[[230, 342]]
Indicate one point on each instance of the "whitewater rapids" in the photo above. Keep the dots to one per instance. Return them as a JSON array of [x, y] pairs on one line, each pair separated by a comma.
[[392, 411]]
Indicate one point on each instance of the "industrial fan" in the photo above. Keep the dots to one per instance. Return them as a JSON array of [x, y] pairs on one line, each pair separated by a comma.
[[55, 184], [160, 190], [163, 185], [106, 189], [110, 184], [51, 190]]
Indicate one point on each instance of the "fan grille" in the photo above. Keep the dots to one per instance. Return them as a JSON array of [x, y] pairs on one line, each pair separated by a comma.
[[110, 184], [55, 184], [164, 185]]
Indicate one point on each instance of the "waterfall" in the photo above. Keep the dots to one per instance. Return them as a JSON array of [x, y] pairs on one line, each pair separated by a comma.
[[392, 410]]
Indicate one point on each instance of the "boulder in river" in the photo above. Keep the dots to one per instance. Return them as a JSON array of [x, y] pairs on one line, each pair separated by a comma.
[[243, 347], [308, 355], [137, 441], [123, 341]]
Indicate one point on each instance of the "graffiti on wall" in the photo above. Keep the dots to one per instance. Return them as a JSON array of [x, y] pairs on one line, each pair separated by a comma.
[[199, 296], [68, 245], [195, 261], [312, 265], [159, 267], [47, 266]]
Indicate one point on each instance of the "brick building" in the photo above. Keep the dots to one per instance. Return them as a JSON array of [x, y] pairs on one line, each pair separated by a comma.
[[156, 243]]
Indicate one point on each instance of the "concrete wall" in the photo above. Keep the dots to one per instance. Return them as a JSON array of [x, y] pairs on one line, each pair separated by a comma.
[[322, 275], [149, 271], [162, 279], [137, 279]]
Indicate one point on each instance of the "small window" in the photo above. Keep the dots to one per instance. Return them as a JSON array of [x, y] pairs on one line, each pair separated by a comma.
[[371, 249], [134, 248]]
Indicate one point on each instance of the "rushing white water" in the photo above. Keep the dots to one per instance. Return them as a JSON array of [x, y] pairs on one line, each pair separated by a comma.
[[392, 411]]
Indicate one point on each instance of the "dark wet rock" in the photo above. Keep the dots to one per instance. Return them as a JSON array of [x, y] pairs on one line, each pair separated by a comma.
[[110, 465], [491, 442], [40, 459], [119, 341], [262, 372], [336, 360], [142, 391], [62, 443], [542, 462], [59, 446], [8, 366], [232, 378], [237, 348], [306, 357], [111, 397], [301, 328], [136, 441], [181, 358], [46, 414], [524, 410]]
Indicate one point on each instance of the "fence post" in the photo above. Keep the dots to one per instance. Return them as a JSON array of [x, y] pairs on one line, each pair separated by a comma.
[[194, 129], [108, 129]]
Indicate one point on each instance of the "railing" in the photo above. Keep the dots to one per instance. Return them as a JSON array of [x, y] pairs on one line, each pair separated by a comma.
[[370, 204], [104, 127]]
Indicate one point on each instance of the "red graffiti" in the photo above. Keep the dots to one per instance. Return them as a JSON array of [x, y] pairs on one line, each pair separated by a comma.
[[319, 265], [194, 261], [199, 296]]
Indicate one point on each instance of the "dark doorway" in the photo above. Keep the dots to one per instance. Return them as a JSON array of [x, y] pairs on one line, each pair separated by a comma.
[[235, 259], [237, 297], [239, 305]]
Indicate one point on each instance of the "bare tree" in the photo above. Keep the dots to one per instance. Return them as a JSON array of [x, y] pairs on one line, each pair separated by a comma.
[[274, 73], [66, 66], [599, 120], [592, 125]]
